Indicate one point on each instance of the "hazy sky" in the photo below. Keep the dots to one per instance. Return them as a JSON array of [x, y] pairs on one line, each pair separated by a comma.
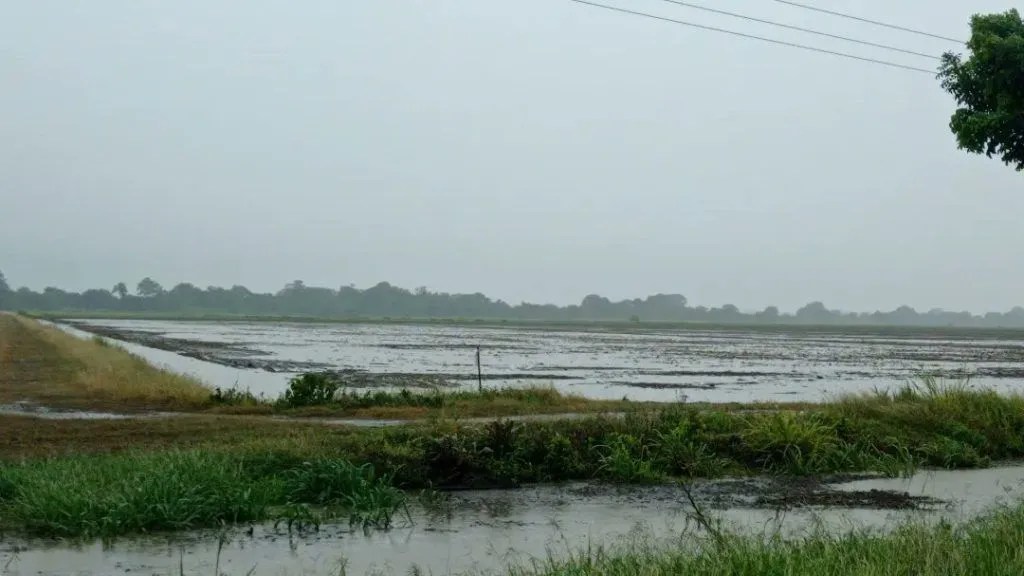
[[527, 149]]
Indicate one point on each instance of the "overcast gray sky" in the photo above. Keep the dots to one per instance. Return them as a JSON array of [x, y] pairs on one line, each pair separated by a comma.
[[529, 149]]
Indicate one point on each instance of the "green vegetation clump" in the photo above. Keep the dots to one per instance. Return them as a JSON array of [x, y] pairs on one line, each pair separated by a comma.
[[253, 475], [922, 425], [320, 389], [177, 490], [311, 389]]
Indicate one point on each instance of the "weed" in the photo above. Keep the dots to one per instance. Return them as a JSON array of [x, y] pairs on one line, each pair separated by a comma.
[[681, 452], [989, 546], [311, 389], [234, 397], [625, 459], [794, 442], [112, 495]]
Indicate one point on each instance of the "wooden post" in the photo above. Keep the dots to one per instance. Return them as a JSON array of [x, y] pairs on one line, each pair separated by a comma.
[[479, 372]]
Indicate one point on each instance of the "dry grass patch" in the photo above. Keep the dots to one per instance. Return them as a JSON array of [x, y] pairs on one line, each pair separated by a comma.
[[43, 364]]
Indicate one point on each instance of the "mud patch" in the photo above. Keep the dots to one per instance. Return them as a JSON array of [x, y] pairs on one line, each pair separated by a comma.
[[802, 492], [25, 408], [234, 355], [717, 373], [358, 378], [756, 493], [490, 346], [666, 385]]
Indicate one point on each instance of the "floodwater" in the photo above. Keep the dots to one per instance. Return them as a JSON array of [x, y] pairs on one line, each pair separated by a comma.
[[485, 532], [654, 365]]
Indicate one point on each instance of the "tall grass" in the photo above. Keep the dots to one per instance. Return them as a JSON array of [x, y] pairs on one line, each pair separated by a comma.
[[990, 546], [131, 493], [319, 394], [95, 371], [890, 433]]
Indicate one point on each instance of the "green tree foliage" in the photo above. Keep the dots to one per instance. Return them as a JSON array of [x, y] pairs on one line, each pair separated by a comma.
[[5, 292], [989, 88], [384, 300], [148, 288]]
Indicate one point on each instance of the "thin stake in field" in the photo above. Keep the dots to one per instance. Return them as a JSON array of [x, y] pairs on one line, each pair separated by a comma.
[[479, 371]]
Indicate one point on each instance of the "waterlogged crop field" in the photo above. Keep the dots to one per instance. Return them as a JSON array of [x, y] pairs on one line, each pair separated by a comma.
[[607, 362]]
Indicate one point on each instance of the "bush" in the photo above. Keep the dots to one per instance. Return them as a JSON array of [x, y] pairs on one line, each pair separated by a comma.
[[310, 390]]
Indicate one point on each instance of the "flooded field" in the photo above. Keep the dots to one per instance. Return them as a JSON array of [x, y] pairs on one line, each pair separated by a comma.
[[486, 531], [641, 364]]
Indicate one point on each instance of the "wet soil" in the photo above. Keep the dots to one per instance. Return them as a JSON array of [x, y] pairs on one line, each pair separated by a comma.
[[356, 378], [234, 355], [658, 365], [792, 492], [800, 492]]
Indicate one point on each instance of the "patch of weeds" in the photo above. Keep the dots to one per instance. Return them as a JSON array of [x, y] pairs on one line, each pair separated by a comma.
[[791, 442], [950, 453], [233, 397], [311, 389], [561, 459], [299, 518], [680, 452], [625, 459]]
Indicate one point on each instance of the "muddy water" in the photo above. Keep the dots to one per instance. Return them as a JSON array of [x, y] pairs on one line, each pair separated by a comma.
[[486, 531], [667, 365]]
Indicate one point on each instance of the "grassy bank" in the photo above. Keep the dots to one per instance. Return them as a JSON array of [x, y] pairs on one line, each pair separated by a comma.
[[989, 546], [312, 395], [929, 424], [43, 364], [950, 427]]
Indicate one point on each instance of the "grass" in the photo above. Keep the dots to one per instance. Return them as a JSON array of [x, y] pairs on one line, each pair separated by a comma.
[[989, 546], [315, 394], [44, 364], [203, 470], [925, 425], [177, 490]]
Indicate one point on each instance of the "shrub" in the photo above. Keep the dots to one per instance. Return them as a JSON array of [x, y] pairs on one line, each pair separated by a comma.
[[310, 389]]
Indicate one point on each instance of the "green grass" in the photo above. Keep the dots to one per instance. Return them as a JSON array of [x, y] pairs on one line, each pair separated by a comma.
[[926, 425], [278, 475], [990, 546], [131, 493], [318, 394]]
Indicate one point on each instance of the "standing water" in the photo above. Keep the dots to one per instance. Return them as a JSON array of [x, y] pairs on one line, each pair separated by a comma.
[[489, 530]]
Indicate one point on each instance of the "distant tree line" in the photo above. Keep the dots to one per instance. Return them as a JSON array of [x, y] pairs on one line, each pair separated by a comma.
[[387, 301]]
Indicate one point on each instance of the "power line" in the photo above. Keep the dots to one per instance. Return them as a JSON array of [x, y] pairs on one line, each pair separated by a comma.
[[753, 37], [867, 21], [801, 29]]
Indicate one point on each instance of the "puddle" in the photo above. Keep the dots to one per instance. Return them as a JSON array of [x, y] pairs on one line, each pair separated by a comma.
[[46, 413], [487, 530]]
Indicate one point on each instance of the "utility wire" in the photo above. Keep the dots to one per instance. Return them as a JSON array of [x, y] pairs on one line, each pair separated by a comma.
[[867, 21], [807, 30], [753, 37]]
